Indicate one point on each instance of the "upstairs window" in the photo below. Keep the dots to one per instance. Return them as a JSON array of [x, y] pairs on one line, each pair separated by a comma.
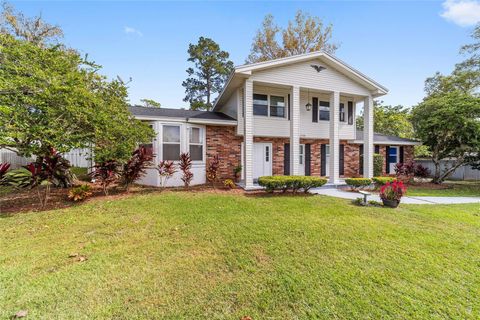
[[260, 104], [277, 106], [196, 143], [324, 110], [342, 112], [171, 142]]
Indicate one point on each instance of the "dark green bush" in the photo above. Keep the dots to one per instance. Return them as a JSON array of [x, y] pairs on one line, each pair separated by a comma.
[[380, 181], [293, 183], [357, 183], [377, 164]]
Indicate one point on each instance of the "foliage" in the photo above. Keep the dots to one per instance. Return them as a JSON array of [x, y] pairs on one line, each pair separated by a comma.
[[448, 124], [166, 169], [237, 170], [19, 178], [228, 183], [212, 170], [292, 183], [381, 181], [34, 30], [79, 193], [106, 172], [358, 183], [377, 164], [209, 74], [389, 120], [51, 97], [421, 171], [304, 34], [185, 166], [405, 171], [3, 170], [136, 167], [150, 103], [393, 191]]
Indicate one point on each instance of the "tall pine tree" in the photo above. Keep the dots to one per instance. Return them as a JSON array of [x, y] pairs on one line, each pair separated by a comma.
[[210, 72]]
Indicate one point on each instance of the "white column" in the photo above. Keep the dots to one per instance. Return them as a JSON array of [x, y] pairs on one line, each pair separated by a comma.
[[368, 137], [295, 132], [248, 134], [334, 138]]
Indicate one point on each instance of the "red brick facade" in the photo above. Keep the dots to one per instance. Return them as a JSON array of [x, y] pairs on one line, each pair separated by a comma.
[[222, 140]]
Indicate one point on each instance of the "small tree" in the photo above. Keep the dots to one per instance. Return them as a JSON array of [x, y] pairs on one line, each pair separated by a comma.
[[136, 167], [212, 170], [106, 172], [185, 166], [377, 165], [166, 169]]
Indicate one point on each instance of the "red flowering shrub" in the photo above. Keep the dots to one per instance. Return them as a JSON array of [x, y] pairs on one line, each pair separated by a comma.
[[166, 169], [212, 170], [393, 190], [185, 166]]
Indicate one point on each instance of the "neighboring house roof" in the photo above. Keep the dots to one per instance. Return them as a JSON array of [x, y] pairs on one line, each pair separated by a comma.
[[196, 116], [245, 70], [379, 138]]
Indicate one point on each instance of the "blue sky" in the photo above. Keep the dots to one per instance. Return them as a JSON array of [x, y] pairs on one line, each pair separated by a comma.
[[398, 44]]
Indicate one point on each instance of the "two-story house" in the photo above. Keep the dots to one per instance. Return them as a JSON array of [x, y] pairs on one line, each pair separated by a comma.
[[289, 116]]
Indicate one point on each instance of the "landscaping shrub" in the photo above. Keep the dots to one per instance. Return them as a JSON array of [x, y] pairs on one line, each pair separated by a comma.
[[185, 166], [212, 170], [237, 171], [3, 170], [18, 178], [377, 164], [292, 183], [136, 166], [228, 183], [79, 193], [106, 172], [380, 181], [421, 171], [166, 169], [358, 183]]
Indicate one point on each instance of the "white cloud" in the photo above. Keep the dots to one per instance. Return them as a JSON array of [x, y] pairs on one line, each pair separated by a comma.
[[133, 31], [462, 12]]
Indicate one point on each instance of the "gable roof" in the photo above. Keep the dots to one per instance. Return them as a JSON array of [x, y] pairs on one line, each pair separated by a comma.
[[140, 111], [379, 138], [245, 70]]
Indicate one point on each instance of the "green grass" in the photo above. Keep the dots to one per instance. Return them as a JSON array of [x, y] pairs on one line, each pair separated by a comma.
[[451, 189], [207, 256]]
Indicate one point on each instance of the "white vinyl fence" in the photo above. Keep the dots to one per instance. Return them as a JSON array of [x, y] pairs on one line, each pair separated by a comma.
[[462, 173], [77, 157]]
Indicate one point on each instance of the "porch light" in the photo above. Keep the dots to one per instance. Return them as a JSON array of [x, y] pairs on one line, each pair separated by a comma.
[[308, 105]]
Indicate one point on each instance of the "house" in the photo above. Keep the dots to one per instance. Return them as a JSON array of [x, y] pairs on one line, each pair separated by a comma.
[[289, 116]]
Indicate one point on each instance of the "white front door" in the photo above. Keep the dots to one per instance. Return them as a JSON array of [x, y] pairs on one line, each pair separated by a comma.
[[262, 160], [301, 160], [393, 158]]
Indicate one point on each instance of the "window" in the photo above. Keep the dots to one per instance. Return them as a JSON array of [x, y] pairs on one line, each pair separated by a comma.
[[350, 112], [260, 104], [301, 154], [342, 112], [171, 142], [277, 106], [196, 143], [267, 153], [392, 155], [324, 110], [149, 146]]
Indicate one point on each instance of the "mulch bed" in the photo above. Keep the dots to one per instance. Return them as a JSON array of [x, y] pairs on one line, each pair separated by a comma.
[[19, 201]]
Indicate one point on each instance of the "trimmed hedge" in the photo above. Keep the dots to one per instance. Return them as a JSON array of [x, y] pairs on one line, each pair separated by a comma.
[[356, 183], [293, 183], [380, 181]]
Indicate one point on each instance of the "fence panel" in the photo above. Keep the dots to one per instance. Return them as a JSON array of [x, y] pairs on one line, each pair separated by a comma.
[[462, 173], [77, 158]]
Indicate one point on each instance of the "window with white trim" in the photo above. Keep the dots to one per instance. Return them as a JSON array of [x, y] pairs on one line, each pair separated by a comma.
[[170, 142], [196, 143], [277, 106], [269, 105]]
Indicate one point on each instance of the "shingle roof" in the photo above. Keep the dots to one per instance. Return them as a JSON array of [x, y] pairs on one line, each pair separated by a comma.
[[382, 138], [178, 113]]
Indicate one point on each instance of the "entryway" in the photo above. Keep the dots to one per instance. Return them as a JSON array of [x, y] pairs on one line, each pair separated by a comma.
[[262, 160]]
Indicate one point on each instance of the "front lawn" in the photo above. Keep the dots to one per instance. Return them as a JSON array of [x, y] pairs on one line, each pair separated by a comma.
[[180, 255], [446, 189]]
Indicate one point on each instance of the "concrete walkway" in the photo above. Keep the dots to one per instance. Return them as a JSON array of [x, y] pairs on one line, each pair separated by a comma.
[[332, 192]]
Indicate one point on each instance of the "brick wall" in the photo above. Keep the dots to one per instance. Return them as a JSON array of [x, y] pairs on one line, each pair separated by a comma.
[[222, 140]]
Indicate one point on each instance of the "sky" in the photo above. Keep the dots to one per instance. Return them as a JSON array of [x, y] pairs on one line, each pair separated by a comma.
[[397, 43]]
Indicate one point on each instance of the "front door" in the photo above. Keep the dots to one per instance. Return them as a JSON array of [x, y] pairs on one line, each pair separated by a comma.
[[262, 160], [301, 160], [393, 158], [327, 160]]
